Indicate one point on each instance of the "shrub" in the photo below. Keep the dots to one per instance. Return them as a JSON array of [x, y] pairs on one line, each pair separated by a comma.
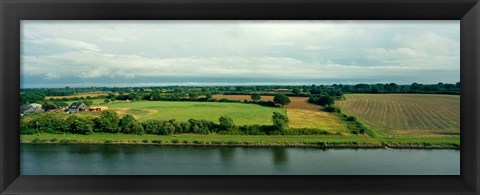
[[145, 141], [351, 118], [332, 108], [198, 142], [64, 141], [27, 131], [157, 141], [83, 125], [226, 123], [280, 121], [125, 122], [108, 121], [36, 140]]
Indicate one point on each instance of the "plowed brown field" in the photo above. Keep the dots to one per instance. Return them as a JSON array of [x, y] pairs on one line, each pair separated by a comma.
[[413, 114]]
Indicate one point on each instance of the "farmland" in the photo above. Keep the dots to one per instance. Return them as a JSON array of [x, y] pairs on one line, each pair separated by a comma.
[[242, 114], [91, 94], [415, 120], [302, 114], [406, 114]]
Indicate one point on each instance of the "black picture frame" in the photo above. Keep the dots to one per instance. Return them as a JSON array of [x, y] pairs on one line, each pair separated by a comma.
[[12, 11]]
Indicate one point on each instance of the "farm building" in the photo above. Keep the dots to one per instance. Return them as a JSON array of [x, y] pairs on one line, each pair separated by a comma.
[[77, 107], [30, 108]]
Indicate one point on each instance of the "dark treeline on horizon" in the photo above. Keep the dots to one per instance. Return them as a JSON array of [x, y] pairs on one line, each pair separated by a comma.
[[439, 88]]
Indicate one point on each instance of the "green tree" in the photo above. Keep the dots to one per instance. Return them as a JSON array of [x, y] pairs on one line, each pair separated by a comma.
[[325, 100], [135, 127], [88, 102], [208, 96], [193, 95], [296, 91], [32, 97], [48, 122], [60, 104], [125, 122], [108, 121], [152, 126], [226, 122], [280, 121], [281, 99], [256, 97], [82, 125]]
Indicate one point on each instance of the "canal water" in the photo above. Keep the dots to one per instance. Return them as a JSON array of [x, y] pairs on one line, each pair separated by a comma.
[[104, 159]]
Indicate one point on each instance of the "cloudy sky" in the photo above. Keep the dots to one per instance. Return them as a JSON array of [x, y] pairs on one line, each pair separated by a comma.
[[147, 53]]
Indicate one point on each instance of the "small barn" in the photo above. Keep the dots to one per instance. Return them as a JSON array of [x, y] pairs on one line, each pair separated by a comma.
[[77, 107]]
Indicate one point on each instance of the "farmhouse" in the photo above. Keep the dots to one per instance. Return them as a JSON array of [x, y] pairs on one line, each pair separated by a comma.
[[30, 108], [77, 107]]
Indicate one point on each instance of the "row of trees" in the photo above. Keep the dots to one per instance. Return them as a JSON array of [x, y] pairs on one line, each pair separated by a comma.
[[109, 122], [439, 88]]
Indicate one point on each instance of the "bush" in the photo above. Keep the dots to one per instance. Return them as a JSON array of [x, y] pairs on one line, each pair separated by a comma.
[[351, 118], [64, 141], [36, 140], [226, 123], [280, 121], [135, 127], [332, 108], [198, 142], [157, 141], [27, 131], [200, 126], [47, 122], [125, 123], [82, 125], [151, 126], [267, 103], [108, 122], [145, 141]]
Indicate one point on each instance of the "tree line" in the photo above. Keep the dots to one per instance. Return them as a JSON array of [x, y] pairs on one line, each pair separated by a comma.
[[110, 122]]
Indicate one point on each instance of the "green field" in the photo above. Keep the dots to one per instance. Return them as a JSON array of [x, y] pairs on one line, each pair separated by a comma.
[[299, 140], [242, 114], [406, 114]]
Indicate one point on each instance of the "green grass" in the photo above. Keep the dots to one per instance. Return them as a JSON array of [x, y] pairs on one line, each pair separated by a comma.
[[445, 141], [242, 114], [406, 114]]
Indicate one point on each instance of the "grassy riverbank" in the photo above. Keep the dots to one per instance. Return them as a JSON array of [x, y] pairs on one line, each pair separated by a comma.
[[351, 141]]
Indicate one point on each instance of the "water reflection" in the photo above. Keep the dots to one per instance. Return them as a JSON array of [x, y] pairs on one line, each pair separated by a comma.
[[227, 155], [52, 159], [279, 157]]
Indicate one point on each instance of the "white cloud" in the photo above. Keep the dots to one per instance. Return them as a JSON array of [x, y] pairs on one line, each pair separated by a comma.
[[316, 47], [255, 49], [68, 43]]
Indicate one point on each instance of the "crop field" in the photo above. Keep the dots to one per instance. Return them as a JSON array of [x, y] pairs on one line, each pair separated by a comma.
[[91, 94], [302, 114], [296, 102], [242, 114], [412, 114]]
